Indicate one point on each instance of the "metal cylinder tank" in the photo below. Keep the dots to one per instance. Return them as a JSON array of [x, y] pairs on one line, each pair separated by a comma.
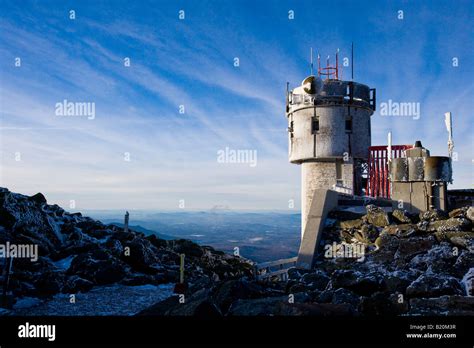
[[438, 168]]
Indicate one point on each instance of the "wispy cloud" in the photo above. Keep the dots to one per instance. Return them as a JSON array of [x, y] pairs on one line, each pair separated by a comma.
[[190, 63]]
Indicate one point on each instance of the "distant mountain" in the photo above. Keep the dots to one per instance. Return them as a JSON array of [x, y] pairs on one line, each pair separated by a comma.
[[260, 236], [147, 232]]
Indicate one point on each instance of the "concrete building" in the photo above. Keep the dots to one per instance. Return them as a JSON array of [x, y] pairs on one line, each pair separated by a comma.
[[419, 181], [329, 134]]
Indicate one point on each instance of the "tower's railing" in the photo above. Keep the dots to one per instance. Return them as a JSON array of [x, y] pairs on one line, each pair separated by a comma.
[[267, 270]]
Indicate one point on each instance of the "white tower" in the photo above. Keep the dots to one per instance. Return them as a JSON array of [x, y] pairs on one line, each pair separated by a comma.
[[329, 133]]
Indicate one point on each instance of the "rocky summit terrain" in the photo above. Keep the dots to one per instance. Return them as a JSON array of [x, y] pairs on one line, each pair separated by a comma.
[[412, 265], [405, 264], [77, 253]]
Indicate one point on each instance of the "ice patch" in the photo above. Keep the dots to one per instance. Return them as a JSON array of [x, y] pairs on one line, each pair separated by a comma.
[[64, 263], [102, 301], [26, 302]]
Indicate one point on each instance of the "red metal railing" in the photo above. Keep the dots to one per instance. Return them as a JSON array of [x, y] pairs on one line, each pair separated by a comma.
[[378, 184]]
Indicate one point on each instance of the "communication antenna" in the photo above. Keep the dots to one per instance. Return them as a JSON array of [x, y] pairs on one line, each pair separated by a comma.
[[319, 65], [449, 127], [311, 60], [352, 61]]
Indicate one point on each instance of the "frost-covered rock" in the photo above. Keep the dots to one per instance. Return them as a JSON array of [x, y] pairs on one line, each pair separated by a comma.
[[77, 253], [376, 216], [434, 285]]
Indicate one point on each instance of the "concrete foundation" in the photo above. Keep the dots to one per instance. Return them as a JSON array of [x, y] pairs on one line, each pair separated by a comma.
[[322, 202], [322, 175], [418, 196]]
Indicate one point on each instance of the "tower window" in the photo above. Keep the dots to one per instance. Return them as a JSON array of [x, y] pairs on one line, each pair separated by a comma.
[[339, 180], [349, 125], [315, 125]]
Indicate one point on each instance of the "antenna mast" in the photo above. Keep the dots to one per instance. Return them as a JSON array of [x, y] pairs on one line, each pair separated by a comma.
[[311, 60], [352, 61], [449, 127]]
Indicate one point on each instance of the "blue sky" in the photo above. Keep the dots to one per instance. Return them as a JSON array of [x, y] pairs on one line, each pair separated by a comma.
[[190, 62]]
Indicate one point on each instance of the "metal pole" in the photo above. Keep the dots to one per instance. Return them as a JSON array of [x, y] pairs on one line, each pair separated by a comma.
[[352, 62], [125, 228], [8, 268], [181, 269]]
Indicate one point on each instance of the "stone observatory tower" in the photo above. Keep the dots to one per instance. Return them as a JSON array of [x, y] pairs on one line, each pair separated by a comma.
[[329, 133]]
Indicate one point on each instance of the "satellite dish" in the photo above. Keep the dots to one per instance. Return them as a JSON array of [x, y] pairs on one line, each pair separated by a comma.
[[311, 84]]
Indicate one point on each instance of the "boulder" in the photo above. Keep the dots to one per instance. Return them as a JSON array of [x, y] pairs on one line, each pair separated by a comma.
[[49, 283], [314, 309], [157, 242], [184, 246], [434, 285], [397, 281], [433, 215], [381, 304], [297, 288], [401, 216], [463, 240], [470, 213], [233, 290], [161, 308], [142, 255], [38, 198], [439, 259], [367, 234], [199, 304], [75, 284], [463, 263], [345, 296], [410, 247], [402, 230], [257, 307], [376, 216], [114, 247], [317, 280], [271, 306], [387, 246], [451, 224], [458, 213], [447, 305], [99, 267], [351, 224], [361, 284], [296, 273], [22, 216]]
